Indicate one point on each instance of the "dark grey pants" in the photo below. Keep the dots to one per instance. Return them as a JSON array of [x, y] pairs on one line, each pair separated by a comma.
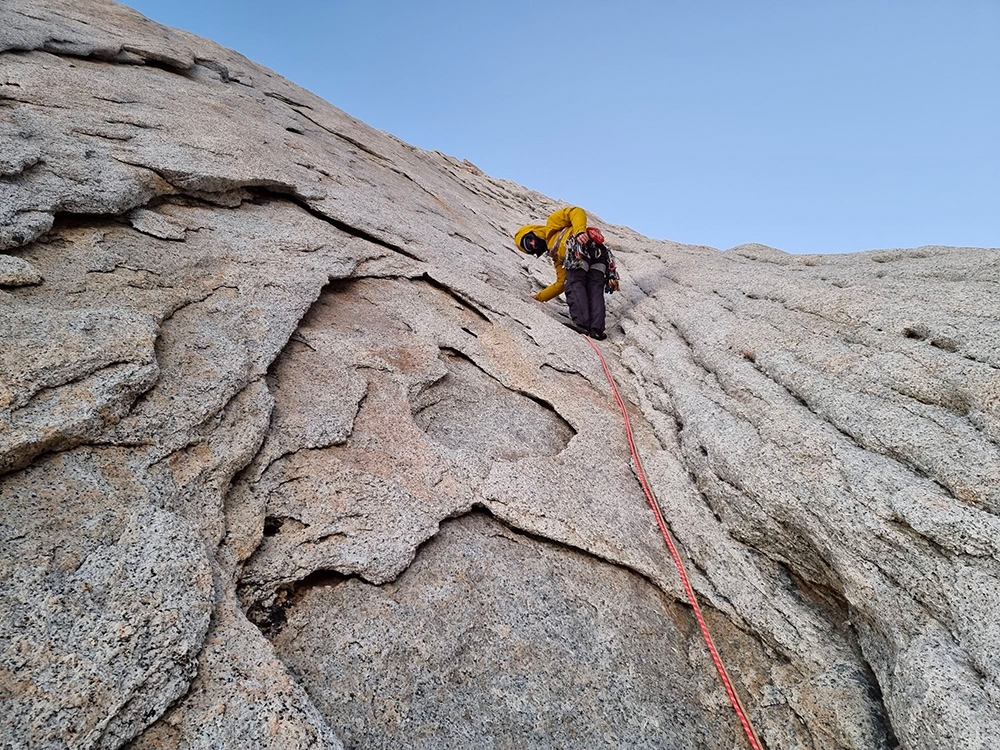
[[585, 297]]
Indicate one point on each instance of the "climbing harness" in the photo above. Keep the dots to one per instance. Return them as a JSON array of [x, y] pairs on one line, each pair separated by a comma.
[[720, 668]]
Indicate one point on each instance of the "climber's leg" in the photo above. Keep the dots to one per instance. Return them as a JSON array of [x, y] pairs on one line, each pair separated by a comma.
[[576, 297], [595, 299]]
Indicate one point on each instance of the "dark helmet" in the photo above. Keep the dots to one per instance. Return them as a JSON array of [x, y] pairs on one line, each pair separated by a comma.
[[532, 244]]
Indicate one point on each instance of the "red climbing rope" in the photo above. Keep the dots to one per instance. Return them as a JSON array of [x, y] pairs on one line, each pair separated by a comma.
[[723, 675]]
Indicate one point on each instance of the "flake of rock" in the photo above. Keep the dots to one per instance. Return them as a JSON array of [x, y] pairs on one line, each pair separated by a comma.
[[77, 373], [155, 224], [17, 272]]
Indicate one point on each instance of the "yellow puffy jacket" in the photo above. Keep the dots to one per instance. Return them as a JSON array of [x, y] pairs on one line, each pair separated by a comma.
[[573, 219]]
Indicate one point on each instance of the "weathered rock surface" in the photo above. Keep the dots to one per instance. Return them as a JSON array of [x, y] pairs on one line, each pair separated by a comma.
[[535, 646], [289, 457], [17, 272]]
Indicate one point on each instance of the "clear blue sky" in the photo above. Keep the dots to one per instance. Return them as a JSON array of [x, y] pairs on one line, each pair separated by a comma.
[[808, 125]]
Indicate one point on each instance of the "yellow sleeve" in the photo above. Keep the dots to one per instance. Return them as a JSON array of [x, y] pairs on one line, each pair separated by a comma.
[[555, 289], [572, 217]]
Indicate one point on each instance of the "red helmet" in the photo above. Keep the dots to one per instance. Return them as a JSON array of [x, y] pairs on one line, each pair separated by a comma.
[[596, 235]]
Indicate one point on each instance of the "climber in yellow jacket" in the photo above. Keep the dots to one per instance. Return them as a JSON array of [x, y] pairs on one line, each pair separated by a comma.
[[584, 285], [560, 226]]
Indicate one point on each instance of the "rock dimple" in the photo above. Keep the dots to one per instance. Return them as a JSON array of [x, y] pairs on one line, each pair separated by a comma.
[[469, 411]]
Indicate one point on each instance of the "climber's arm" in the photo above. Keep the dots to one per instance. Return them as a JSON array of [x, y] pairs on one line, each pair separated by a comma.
[[572, 217], [555, 289]]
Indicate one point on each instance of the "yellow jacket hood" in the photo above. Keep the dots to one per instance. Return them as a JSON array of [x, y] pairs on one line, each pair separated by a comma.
[[559, 227], [519, 234], [572, 218]]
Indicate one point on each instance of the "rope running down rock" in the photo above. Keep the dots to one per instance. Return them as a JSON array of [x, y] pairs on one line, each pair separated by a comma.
[[723, 675]]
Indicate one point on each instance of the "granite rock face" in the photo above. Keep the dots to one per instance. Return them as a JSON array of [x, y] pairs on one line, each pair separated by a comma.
[[290, 458], [535, 645]]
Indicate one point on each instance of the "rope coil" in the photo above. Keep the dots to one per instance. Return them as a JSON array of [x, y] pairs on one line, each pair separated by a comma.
[[679, 563]]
